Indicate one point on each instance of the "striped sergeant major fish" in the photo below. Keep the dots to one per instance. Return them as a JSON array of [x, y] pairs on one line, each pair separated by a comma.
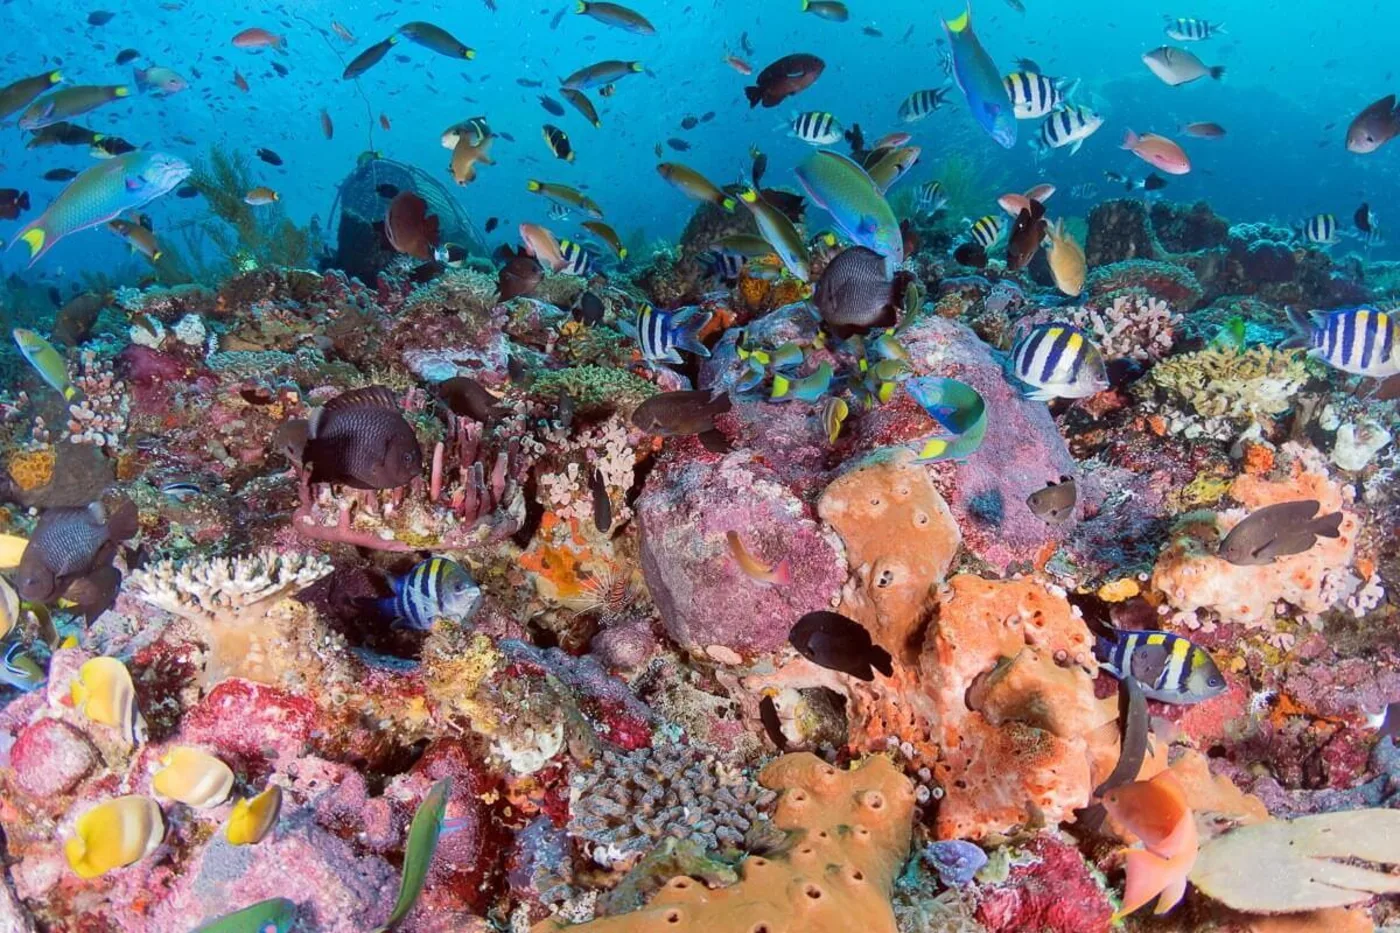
[[816, 128], [1034, 95], [1069, 126], [663, 334], [1363, 341], [1058, 360], [930, 198], [1190, 29], [1170, 668], [988, 229], [922, 103], [436, 588], [1320, 229], [577, 260]]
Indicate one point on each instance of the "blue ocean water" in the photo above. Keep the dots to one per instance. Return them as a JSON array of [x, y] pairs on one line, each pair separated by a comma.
[[1295, 76]]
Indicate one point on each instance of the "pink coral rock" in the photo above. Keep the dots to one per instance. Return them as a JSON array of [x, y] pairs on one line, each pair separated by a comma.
[[1054, 892], [50, 758], [705, 599]]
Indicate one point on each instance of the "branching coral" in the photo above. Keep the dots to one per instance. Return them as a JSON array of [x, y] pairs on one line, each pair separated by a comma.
[[604, 448], [1136, 326], [1219, 391], [627, 802], [851, 833], [99, 416]]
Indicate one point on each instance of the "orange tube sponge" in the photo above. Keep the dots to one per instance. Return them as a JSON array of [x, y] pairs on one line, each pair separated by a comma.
[[853, 831]]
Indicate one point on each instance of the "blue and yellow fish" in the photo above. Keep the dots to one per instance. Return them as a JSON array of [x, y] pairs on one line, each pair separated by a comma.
[[980, 81]]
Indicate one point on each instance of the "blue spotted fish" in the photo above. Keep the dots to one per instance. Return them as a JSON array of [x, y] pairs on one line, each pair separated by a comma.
[[1363, 341], [1058, 360], [435, 588]]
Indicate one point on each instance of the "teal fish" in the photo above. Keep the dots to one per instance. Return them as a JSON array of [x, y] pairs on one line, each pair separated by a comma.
[[808, 389], [422, 842], [843, 189], [19, 669], [437, 39], [779, 232], [958, 409], [887, 346], [274, 915], [788, 356], [46, 361], [102, 192], [980, 81]]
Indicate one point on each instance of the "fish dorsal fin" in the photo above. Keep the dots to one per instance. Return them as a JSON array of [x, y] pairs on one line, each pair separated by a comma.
[[368, 397]]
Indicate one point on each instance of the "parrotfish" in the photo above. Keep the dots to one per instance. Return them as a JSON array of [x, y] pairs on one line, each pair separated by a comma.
[[844, 190], [274, 915], [958, 410], [47, 362], [980, 81], [102, 192]]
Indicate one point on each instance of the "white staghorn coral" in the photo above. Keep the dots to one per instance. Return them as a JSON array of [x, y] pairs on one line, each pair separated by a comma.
[[1137, 327], [225, 586]]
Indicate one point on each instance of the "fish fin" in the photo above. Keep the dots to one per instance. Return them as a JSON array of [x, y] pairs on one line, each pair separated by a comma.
[[1328, 526], [688, 327], [124, 521], [880, 660], [1171, 895], [754, 94], [782, 385], [367, 397], [1217, 72], [1074, 147], [781, 574]]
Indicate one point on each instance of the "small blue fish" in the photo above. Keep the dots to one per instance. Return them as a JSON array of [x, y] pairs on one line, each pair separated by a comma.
[[958, 409], [19, 670], [662, 334], [274, 915], [955, 861], [182, 491], [434, 588], [808, 389]]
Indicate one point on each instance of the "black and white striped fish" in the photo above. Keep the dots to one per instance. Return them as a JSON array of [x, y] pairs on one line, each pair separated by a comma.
[[434, 588], [922, 103], [1058, 360], [662, 335], [723, 263], [1069, 126], [577, 260], [930, 198], [1170, 668], [987, 230], [1034, 95], [1363, 341], [945, 61], [817, 128], [1320, 229], [1190, 29]]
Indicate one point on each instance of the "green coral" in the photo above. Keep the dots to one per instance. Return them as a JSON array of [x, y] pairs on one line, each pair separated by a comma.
[[593, 386], [1220, 382], [248, 237]]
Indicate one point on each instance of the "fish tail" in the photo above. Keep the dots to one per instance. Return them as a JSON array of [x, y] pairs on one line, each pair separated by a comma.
[[582, 7], [1148, 876], [728, 204], [622, 253], [1303, 326], [781, 575], [1130, 139], [754, 94], [806, 5], [688, 327], [880, 660], [37, 240], [121, 91], [1217, 72], [532, 185], [782, 385], [469, 54], [1328, 526], [637, 67]]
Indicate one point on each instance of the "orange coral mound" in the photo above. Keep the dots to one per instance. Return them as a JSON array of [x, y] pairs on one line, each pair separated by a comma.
[[854, 831], [32, 469], [1010, 670], [900, 541]]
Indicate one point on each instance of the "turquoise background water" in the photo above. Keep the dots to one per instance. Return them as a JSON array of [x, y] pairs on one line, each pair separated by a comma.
[[1296, 74]]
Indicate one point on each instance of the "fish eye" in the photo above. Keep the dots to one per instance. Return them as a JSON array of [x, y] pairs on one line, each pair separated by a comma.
[[1216, 682]]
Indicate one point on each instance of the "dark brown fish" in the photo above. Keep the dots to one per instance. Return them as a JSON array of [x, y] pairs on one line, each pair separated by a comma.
[[784, 78], [95, 593], [839, 644], [410, 228], [1026, 235], [1375, 126], [361, 439], [680, 414], [602, 505], [970, 254], [468, 398], [69, 543], [1055, 503], [588, 308], [855, 290], [768, 715], [368, 58], [680, 145], [1278, 531], [13, 202], [551, 105], [270, 157], [60, 174], [75, 319], [521, 275]]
